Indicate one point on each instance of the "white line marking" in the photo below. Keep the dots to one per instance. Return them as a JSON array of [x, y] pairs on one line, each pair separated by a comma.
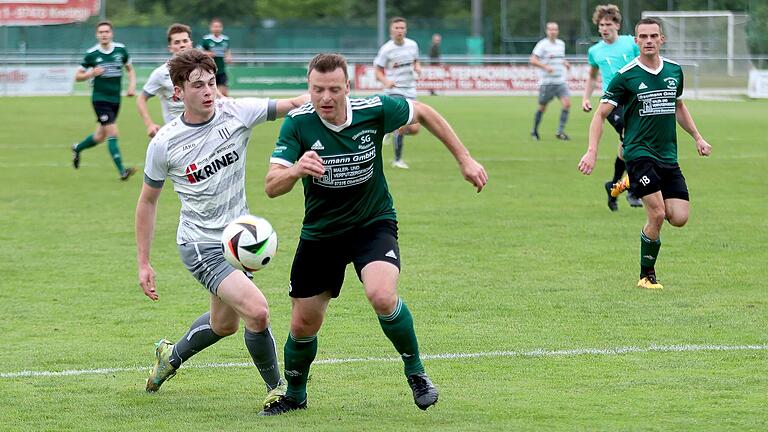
[[68, 165], [447, 356]]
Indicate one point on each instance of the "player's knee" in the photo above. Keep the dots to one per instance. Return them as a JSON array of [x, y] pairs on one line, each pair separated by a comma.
[[256, 316], [303, 326], [677, 220], [383, 302], [656, 216], [224, 329]]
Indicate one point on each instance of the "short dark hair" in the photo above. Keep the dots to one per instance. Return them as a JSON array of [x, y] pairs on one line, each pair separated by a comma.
[[610, 11], [104, 23], [397, 19], [185, 62], [216, 19], [178, 28], [328, 62], [649, 21]]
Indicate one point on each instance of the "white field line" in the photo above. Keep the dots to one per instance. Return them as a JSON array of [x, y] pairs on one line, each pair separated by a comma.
[[68, 164], [447, 356]]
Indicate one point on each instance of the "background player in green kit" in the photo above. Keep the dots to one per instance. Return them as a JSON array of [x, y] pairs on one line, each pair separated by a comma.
[[216, 45], [650, 88], [608, 56], [333, 145], [104, 64]]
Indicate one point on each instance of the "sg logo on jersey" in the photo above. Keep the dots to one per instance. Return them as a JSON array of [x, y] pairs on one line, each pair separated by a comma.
[[671, 83], [365, 142]]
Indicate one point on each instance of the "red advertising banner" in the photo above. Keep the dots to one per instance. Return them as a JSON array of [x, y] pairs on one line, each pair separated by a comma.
[[44, 12], [507, 79]]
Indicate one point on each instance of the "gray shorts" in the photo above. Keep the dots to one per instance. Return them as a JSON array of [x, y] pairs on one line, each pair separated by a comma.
[[205, 260], [549, 91]]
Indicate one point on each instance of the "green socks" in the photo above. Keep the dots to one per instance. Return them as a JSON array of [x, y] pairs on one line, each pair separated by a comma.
[[649, 251], [114, 150], [398, 326], [88, 142], [299, 354]]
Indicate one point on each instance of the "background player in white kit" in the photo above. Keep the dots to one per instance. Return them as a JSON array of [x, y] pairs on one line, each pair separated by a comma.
[[203, 153], [159, 82], [549, 56], [397, 68]]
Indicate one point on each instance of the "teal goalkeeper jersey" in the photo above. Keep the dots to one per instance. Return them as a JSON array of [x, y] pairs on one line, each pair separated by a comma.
[[650, 103], [609, 58], [353, 192]]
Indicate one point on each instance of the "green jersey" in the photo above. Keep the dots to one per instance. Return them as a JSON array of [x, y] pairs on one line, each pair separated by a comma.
[[107, 86], [650, 100], [219, 45], [353, 191]]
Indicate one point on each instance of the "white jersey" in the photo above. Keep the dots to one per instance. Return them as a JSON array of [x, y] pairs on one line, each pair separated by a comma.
[[399, 60], [159, 84], [206, 163], [551, 54]]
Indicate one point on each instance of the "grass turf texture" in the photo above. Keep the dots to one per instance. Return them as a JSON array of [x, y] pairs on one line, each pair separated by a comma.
[[534, 261]]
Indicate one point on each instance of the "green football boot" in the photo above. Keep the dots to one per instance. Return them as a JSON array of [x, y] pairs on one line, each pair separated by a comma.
[[162, 370]]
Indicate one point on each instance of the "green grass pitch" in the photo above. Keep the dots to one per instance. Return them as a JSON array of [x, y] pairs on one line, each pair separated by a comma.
[[534, 262]]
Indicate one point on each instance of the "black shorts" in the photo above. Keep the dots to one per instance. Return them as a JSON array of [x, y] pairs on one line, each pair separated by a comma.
[[222, 79], [616, 119], [319, 265], [647, 176], [106, 112]]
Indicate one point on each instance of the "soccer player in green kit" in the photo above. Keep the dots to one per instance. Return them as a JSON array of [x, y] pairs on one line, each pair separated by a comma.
[[650, 88], [216, 45], [333, 145], [104, 64], [607, 57]]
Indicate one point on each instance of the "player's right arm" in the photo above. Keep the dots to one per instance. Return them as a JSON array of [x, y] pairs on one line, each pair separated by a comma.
[[86, 74], [536, 62], [588, 161], [589, 88], [281, 179], [141, 105], [289, 162], [381, 76], [146, 212]]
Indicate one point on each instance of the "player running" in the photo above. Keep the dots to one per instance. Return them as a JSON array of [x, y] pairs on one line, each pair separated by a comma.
[[203, 153], [650, 88], [104, 63], [608, 56], [159, 82]]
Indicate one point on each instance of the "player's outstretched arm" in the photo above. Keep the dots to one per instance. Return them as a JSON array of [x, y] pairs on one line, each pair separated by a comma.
[[281, 179], [472, 171], [286, 105], [588, 161], [685, 121], [131, 91], [146, 212]]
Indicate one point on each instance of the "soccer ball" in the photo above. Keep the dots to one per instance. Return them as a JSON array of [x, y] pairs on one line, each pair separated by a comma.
[[249, 243]]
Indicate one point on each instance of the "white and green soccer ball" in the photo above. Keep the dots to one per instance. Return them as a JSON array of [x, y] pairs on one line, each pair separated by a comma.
[[249, 243]]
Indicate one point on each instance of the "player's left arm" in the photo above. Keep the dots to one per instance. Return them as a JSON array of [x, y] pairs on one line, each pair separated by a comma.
[[472, 171], [286, 105], [228, 56], [685, 121], [417, 67], [131, 79]]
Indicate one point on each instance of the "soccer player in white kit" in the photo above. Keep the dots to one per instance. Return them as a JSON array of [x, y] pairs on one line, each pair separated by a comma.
[[203, 153], [159, 82], [549, 56], [397, 68]]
